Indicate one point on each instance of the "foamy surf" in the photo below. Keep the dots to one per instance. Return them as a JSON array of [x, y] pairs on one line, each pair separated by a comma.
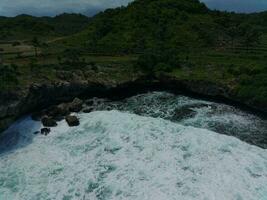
[[117, 155]]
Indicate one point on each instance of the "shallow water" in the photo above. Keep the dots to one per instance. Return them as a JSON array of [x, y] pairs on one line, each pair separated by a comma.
[[121, 155]]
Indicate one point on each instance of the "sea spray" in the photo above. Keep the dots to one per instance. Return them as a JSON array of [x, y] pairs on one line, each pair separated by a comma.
[[118, 155]]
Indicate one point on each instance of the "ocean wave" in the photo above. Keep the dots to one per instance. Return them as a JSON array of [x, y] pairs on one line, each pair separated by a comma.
[[118, 155]]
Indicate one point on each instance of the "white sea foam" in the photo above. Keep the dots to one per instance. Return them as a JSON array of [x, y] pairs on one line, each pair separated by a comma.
[[209, 115], [115, 155], [188, 111]]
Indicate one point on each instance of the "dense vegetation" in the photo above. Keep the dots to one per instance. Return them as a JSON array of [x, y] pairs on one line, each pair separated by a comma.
[[166, 24], [182, 38], [186, 39], [25, 26]]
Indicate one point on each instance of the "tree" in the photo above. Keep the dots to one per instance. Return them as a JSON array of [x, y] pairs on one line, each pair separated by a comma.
[[233, 33], [33, 65], [156, 60], [251, 37], [147, 61], [8, 76], [72, 55], [59, 59], [35, 43]]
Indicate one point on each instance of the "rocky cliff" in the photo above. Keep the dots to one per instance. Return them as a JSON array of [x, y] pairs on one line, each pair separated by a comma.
[[14, 104]]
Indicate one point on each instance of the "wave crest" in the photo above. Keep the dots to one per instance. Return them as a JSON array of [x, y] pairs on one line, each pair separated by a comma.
[[116, 155]]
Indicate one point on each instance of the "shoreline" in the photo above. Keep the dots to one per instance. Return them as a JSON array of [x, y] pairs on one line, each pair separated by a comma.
[[40, 96]]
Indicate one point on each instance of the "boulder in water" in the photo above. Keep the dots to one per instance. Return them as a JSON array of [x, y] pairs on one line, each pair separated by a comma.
[[184, 113], [58, 111], [72, 121], [36, 132], [88, 110], [49, 121], [76, 105], [63, 109], [45, 131], [89, 102]]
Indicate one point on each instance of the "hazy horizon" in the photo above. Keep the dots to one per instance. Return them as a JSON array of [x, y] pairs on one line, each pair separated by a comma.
[[91, 7]]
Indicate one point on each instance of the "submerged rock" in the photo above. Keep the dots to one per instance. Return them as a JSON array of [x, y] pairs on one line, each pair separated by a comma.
[[89, 102], [200, 105], [72, 121], [88, 110], [45, 131], [49, 121], [184, 113]]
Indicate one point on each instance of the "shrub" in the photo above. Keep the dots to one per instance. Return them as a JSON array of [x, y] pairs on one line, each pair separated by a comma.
[[72, 55], [162, 67], [95, 68], [16, 43], [155, 60], [246, 92], [14, 67], [8, 76], [33, 65], [245, 79]]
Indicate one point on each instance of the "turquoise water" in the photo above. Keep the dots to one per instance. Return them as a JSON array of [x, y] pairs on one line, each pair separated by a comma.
[[121, 155]]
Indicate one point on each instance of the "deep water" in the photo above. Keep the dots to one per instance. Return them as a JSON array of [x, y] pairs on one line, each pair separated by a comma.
[[156, 146]]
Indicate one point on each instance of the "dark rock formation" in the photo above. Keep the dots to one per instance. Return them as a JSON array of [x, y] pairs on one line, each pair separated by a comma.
[[184, 113], [63, 109], [58, 112], [87, 110], [14, 104], [49, 121], [37, 116], [45, 131], [72, 121], [89, 102], [76, 105]]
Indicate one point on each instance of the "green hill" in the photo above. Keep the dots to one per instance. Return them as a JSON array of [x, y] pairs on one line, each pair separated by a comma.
[[148, 24], [164, 24], [182, 38], [186, 39], [24, 27]]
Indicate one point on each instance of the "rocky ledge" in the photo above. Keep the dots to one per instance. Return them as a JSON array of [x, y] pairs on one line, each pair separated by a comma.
[[53, 114], [38, 97]]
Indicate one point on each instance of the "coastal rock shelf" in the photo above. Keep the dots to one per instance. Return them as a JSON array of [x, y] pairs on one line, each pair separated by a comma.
[[14, 104], [217, 117]]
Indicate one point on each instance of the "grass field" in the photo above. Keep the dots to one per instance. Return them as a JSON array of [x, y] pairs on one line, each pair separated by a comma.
[[44, 67]]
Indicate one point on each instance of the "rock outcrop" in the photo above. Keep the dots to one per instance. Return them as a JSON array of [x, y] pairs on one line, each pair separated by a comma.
[[72, 121], [184, 113], [45, 131], [76, 105], [48, 121], [37, 97]]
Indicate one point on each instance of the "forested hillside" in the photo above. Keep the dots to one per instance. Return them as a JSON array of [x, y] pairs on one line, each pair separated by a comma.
[[186, 39], [182, 38], [25, 26], [167, 24]]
